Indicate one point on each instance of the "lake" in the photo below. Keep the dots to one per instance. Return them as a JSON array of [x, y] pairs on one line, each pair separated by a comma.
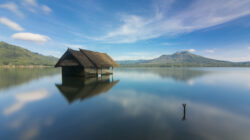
[[133, 104]]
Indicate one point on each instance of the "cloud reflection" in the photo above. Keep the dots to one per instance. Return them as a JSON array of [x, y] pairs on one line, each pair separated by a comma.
[[204, 121], [18, 122], [135, 103], [31, 132], [234, 78], [23, 98]]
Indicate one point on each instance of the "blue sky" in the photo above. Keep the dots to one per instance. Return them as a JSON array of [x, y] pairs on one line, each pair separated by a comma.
[[129, 29]]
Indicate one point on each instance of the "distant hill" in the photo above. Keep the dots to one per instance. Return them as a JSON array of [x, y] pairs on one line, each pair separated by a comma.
[[183, 58], [15, 55]]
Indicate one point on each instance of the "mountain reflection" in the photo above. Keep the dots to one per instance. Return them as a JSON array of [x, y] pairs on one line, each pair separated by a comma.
[[18, 76], [178, 74], [74, 88]]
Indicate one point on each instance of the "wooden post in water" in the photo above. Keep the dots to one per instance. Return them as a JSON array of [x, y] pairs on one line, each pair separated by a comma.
[[184, 112]]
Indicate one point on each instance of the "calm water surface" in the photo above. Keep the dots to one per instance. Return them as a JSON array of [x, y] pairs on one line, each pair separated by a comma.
[[134, 104]]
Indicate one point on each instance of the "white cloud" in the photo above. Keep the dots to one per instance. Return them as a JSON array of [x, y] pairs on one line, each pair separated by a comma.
[[167, 44], [11, 6], [33, 6], [11, 24], [229, 54], [31, 37], [200, 14], [248, 48], [134, 28], [75, 46], [46, 9], [137, 56], [30, 2], [210, 51], [191, 50]]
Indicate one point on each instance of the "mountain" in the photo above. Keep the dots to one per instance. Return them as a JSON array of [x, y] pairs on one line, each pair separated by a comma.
[[14, 55], [184, 58]]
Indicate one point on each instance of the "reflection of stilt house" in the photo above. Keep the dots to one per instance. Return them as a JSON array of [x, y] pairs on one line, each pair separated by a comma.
[[85, 63], [79, 88]]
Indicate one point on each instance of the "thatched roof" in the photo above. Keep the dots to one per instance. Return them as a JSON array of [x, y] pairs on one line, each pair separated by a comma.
[[86, 58], [75, 88]]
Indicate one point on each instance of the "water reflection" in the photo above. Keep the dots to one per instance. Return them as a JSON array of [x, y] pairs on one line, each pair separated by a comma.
[[143, 106], [159, 118], [74, 88], [177, 74], [18, 76], [23, 98]]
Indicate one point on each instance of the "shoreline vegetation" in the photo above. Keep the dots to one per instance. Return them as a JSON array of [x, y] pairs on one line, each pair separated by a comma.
[[175, 65]]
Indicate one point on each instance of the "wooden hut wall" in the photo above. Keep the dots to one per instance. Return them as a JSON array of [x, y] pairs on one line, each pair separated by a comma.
[[97, 71], [80, 71], [74, 71]]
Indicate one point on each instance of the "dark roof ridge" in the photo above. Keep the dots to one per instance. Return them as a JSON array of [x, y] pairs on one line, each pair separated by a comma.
[[87, 59], [81, 50], [71, 51]]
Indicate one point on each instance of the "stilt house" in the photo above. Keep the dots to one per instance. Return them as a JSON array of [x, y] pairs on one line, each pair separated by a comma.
[[85, 63]]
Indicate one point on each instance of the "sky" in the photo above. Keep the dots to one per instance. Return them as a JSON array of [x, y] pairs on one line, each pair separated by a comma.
[[129, 29]]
